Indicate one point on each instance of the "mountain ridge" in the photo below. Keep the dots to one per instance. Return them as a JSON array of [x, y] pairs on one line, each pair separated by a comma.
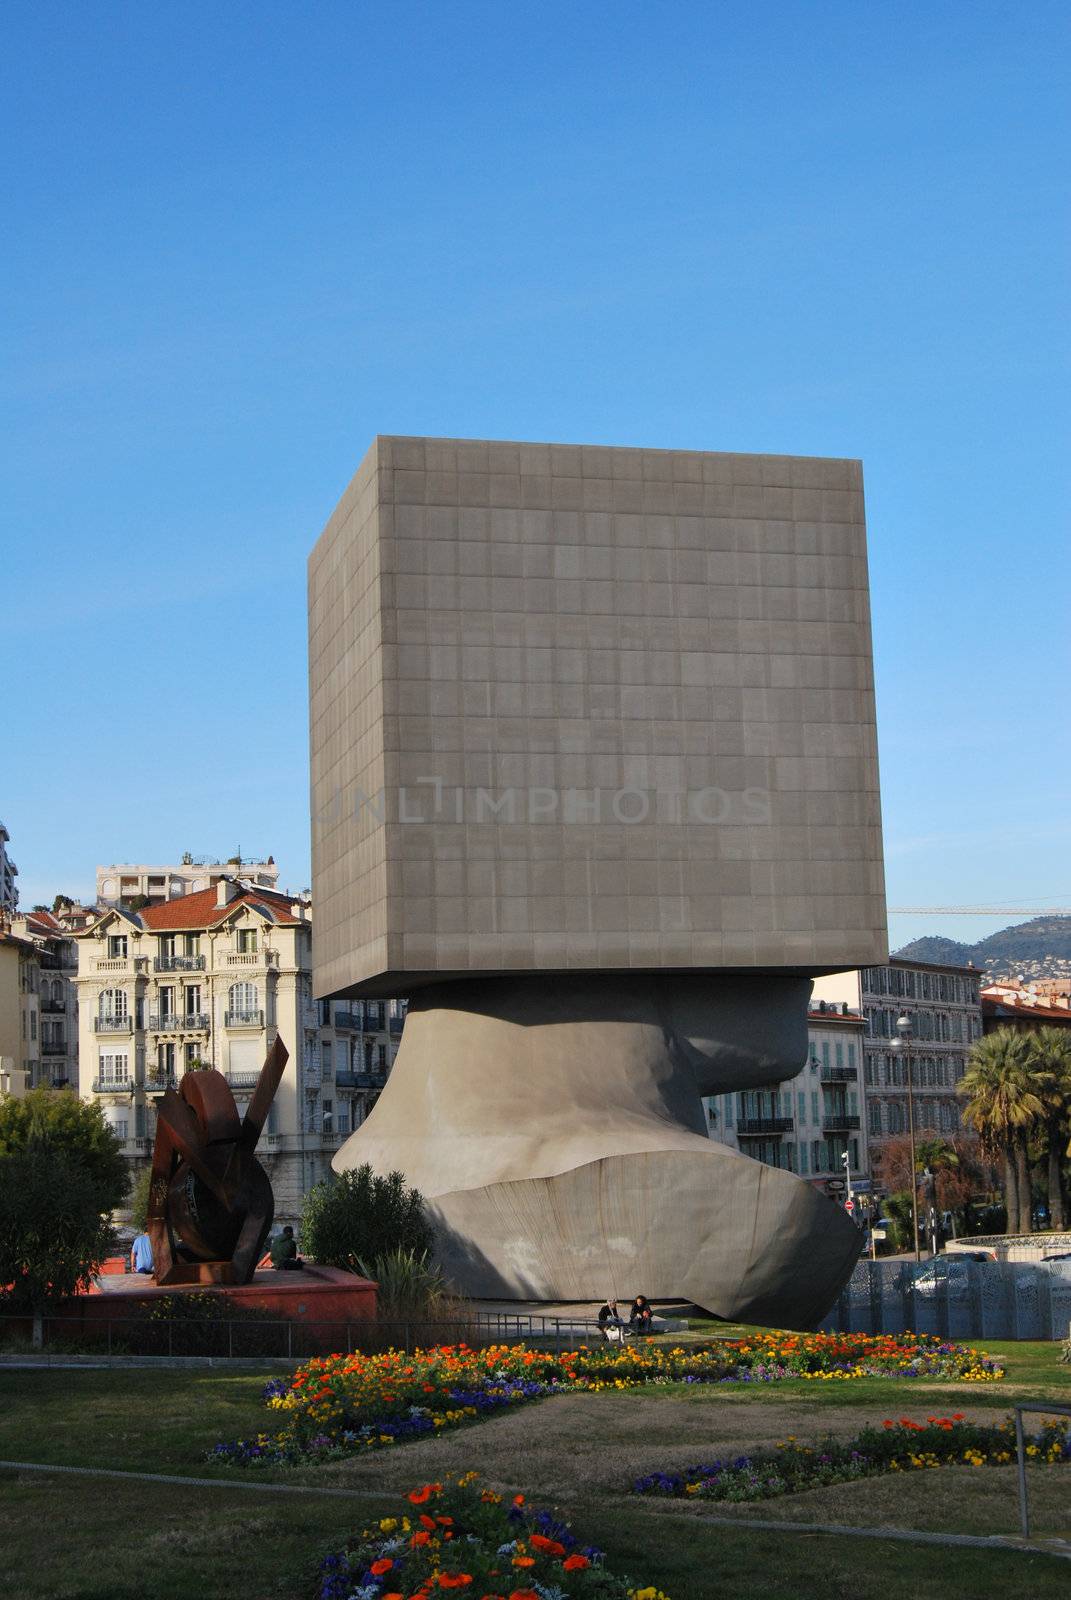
[[1038, 948]]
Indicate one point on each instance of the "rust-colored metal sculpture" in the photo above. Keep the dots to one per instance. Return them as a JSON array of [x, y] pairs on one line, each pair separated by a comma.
[[210, 1201]]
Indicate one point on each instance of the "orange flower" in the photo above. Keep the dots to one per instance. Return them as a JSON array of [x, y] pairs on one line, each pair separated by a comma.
[[518, 1500], [576, 1563], [547, 1547], [378, 1568], [454, 1580], [427, 1522], [418, 1496], [447, 1522], [524, 1561], [524, 1594], [420, 1537]]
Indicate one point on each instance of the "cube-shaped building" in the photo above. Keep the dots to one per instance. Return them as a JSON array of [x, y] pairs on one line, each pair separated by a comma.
[[579, 709]]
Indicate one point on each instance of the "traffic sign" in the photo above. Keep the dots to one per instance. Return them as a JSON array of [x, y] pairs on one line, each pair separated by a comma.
[[849, 1205]]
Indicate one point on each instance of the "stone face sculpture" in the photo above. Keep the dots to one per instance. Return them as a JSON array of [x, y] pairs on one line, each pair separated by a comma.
[[210, 1201], [594, 784], [556, 1130]]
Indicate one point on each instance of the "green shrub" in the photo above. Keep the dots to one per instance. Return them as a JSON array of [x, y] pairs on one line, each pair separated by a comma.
[[53, 1235], [410, 1287], [358, 1216]]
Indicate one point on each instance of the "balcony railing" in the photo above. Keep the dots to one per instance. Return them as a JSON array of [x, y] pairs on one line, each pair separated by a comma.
[[179, 964], [360, 1080], [113, 1024], [839, 1074], [349, 1020], [179, 1022], [55, 1007], [48, 962], [157, 1082], [113, 1086], [113, 964], [839, 1122], [53, 1047], [245, 958], [396, 1024], [243, 1080], [244, 1019], [141, 1146], [759, 1127]]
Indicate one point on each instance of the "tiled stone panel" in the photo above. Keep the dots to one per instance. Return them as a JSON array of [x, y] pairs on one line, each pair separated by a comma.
[[576, 707]]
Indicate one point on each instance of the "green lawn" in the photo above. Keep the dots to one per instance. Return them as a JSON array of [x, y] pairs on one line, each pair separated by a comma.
[[67, 1538]]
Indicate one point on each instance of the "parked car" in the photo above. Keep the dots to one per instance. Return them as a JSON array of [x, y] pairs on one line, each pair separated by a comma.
[[950, 1269]]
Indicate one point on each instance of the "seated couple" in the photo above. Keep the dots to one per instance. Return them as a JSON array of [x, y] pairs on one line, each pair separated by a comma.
[[612, 1323]]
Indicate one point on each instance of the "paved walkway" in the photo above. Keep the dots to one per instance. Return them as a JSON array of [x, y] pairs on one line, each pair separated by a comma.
[[1055, 1547]]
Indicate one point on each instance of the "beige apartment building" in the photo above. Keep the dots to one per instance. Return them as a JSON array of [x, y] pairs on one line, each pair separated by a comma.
[[124, 882], [212, 978]]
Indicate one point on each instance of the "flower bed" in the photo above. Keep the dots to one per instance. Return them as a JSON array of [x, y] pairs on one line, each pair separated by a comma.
[[903, 1446], [336, 1405], [464, 1538]]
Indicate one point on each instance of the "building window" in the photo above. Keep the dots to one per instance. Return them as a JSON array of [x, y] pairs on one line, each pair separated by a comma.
[[167, 945], [113, 1005], [191, 1055], [117, 945], [329, 1117], [114, 1066], [247, 940], [325, 1053], [191, 944], [193, 1000], [242, 999]]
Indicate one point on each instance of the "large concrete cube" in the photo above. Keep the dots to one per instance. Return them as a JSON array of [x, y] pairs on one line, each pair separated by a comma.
[[578, 708]]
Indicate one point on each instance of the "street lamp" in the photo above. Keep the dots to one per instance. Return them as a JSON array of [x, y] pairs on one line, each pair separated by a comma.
[[902, 1041]]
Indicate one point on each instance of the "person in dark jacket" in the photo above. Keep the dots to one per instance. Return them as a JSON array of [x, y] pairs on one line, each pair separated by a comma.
[[284, 1256], [639, 1316]]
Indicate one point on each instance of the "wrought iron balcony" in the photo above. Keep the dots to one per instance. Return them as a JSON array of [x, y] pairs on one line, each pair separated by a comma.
[[349, 1020], [113, 1024], [53, 1047], [244, 1019], [178, 1022], [763, 1127], [54, 1007], [360, 1080], [113, 1086], [179, 964], [839, 1074], [157, 1082], [839, 1122]]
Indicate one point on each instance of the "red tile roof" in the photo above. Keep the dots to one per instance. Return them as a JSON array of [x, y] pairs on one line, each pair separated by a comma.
[[995, 1005], [200, 910]]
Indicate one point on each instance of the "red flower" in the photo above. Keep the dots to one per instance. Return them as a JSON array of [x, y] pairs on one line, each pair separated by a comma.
[[524, 1561], [427, 1522], [454, 1580], [378, 1568], [547, 1547], [420, 1537], [518, 1500], [576, 1563], [418, 1496]]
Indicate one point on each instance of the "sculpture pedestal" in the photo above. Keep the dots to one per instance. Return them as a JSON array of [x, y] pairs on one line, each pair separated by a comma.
[[555, 1127]]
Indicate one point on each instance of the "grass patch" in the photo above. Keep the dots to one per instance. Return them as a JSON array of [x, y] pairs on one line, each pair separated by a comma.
[[80, 1539]]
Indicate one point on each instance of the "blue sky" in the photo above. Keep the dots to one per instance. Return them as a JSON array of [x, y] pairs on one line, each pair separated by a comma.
[[243, 239]]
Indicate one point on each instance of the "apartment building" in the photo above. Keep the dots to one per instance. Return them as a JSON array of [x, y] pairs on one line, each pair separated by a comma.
[[211, 978], [136, 882], [9, 893], [943, 1005], [19, 1015], [1026, 1006], [53, 971], [809, 1123]]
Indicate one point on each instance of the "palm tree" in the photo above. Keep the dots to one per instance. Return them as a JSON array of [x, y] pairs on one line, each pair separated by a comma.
[[1050, 1053], [1004, 1105]]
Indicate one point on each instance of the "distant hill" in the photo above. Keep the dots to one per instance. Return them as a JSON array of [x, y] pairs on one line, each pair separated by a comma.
[[1040, 948]]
